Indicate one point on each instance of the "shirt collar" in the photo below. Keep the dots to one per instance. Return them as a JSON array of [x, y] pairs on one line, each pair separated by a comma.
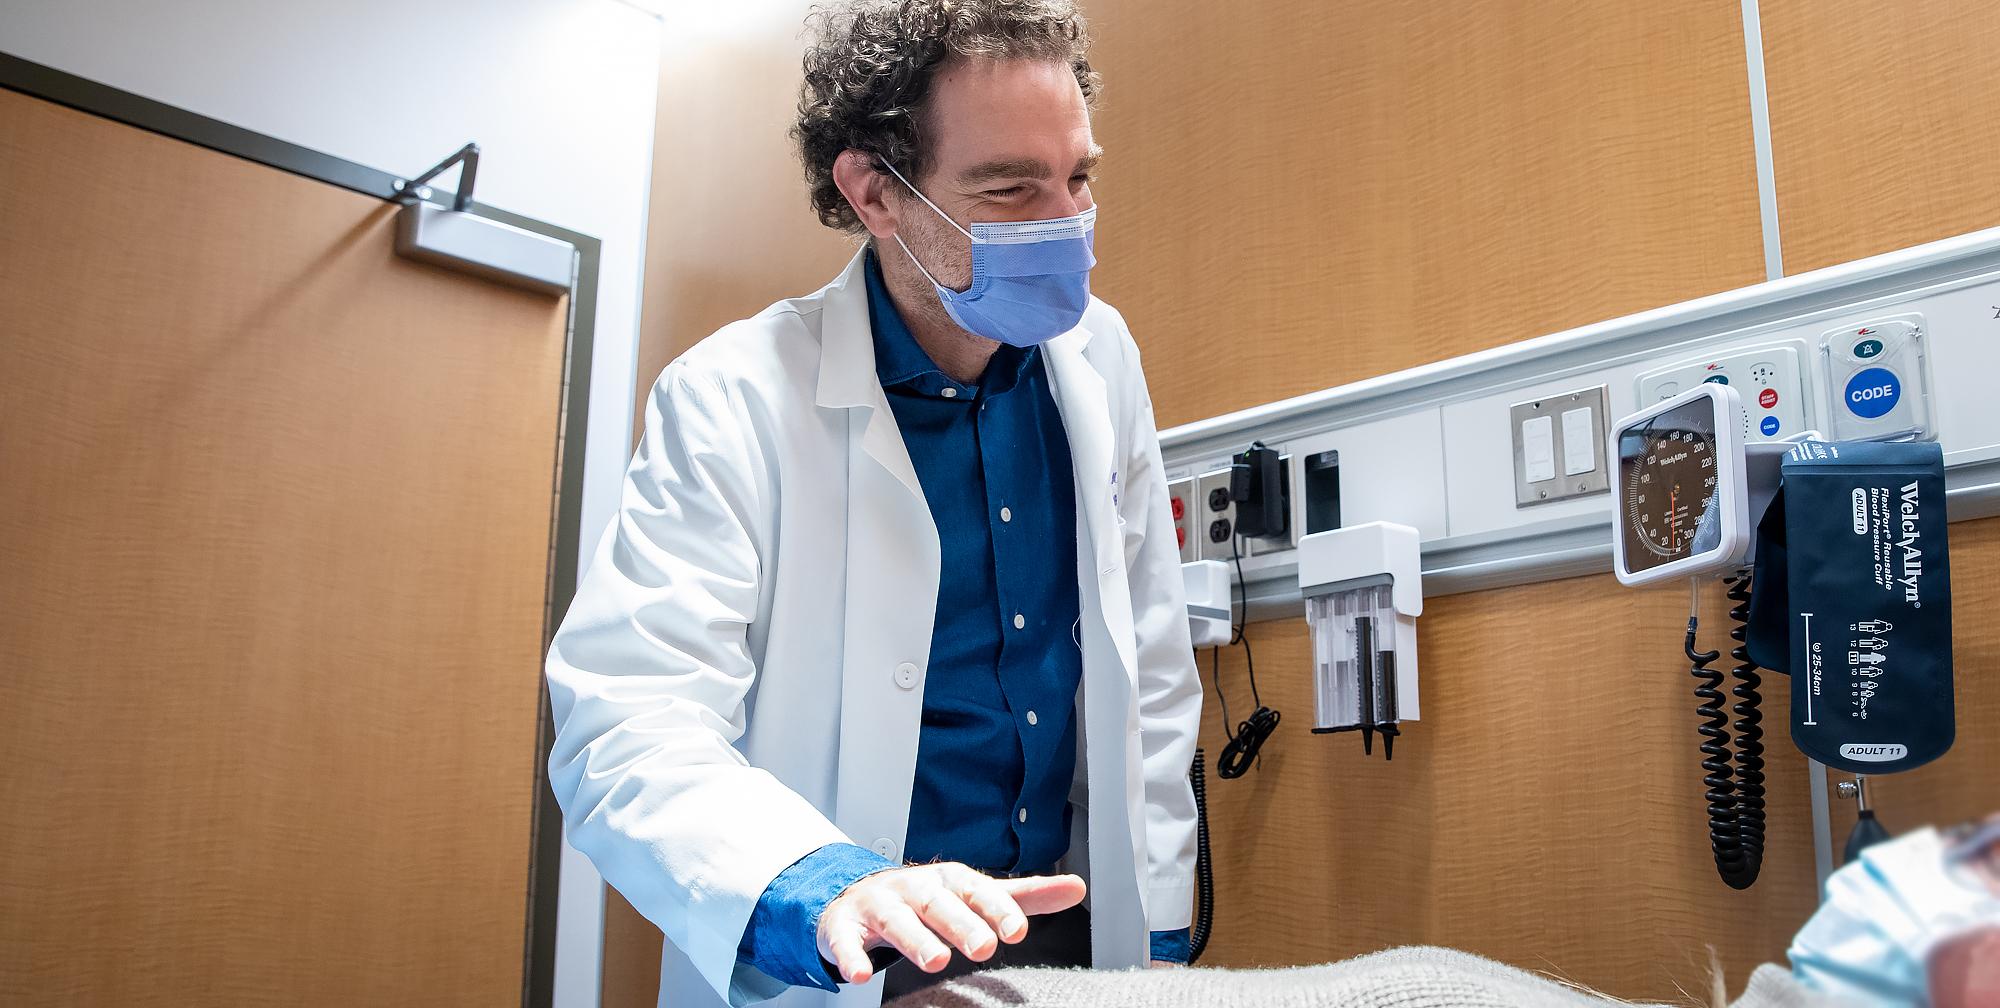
[[901, 361]]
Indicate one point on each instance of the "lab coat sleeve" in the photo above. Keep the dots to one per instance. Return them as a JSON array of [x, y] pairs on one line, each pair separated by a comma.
[[1169, 689], [647, 679]]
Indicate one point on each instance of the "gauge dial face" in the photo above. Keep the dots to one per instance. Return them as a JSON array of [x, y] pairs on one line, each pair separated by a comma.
[[1669, 497]]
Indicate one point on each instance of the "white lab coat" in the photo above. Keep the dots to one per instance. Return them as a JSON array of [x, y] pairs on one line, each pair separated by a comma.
[[740, 677]]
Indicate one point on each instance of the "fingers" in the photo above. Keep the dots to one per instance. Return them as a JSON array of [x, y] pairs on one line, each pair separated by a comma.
[[1044, 894], [891, 917], [926, 911], [945, 912], [844, 948], [991, 902]]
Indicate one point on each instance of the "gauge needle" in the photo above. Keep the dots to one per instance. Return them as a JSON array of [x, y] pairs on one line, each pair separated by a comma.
[[1674, 514]]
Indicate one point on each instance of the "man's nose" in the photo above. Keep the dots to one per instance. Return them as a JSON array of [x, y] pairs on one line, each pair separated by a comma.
[[1064, 203]]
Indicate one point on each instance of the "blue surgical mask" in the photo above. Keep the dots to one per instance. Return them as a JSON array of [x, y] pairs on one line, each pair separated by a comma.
[[1030, 279], [1883, 915]]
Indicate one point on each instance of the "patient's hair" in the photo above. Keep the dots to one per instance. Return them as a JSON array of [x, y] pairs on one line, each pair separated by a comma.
[[869, 66]]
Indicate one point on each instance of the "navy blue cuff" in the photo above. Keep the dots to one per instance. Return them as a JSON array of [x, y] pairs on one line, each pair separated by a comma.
[[782, 940], [1172, 946]]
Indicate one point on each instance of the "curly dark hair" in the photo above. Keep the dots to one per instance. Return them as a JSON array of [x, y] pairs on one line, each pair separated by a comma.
[[869, 65]]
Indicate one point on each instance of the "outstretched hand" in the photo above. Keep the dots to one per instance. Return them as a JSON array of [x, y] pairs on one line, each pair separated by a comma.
[[925, 911]]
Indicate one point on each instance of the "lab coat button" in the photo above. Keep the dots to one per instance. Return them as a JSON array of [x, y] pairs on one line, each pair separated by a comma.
[[1006, 514], [950, 393], [886, 847], [1024, 815], [1032, 719], [906, 676], [1020, 621]]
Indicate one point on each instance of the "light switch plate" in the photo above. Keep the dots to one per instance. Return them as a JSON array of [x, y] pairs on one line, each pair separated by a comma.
[[1565, 470]]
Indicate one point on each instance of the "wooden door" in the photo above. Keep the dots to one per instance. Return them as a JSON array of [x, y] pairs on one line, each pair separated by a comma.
[[275, 512]]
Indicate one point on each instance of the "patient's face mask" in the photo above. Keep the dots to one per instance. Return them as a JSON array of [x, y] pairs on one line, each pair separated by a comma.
[[1030, 279], [1883, 916]]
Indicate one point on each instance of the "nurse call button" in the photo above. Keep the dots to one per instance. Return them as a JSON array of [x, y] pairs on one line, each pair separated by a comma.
[[1872, 393]]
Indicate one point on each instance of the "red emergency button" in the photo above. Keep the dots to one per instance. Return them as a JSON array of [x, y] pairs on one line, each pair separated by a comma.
[[1767, 398], [1179, 509], [1180, 535]]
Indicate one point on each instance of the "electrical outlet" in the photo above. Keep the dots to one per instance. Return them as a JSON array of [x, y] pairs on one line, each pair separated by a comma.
[[1181, 498], [1214, 521]]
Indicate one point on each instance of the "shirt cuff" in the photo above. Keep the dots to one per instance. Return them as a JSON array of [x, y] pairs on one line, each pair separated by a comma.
[[782, 939], [1172, 946]]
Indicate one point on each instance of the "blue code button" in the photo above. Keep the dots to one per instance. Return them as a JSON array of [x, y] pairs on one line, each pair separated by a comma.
[[1769, 427], [1873, 393]]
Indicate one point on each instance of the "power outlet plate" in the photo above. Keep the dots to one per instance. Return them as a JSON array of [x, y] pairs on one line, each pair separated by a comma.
[[1559, 447], [1770, 378], [1213, 520]]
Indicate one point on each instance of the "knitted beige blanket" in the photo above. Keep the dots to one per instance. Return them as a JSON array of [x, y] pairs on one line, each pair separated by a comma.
[[1397, 978]]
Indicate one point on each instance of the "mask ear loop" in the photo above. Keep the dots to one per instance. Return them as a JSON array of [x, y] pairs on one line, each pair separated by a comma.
[[927, 201], [934, 209]]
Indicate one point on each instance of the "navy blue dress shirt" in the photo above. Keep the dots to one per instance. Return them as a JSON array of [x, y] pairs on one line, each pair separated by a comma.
[[997, 748]]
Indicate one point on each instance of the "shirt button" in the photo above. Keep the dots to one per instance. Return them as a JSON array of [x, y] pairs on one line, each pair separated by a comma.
[[1024, 815], [1020, 621], [950, 392], [1006, 514], [885, 847], [906, 676], [1032, 719]]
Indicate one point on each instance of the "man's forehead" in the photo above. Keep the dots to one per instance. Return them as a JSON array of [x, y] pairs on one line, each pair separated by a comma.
[[1018, 118]]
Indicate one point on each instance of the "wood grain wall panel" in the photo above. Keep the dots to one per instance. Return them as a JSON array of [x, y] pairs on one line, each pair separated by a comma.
[[1881, 124], [1317, 193], [632, 947], [1546, 811], [274, 516]]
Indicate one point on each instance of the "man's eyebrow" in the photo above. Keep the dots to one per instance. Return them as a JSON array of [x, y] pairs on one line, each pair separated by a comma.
[[1012, 168], [988, 171]]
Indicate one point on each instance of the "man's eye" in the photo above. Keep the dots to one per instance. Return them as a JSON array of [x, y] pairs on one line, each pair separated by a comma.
[[1004, 193], [1083, 179]]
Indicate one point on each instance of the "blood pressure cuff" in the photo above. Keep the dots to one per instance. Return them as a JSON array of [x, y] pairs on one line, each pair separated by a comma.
[[1852, 598]]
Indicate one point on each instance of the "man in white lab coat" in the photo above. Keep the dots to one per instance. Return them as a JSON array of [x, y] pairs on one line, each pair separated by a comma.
[[885, 652]]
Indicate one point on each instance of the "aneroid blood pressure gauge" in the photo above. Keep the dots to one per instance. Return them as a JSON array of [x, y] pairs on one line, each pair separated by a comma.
[[1683, 499]]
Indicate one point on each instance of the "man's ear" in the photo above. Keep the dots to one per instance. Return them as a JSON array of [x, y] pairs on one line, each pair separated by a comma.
[[866, 189]]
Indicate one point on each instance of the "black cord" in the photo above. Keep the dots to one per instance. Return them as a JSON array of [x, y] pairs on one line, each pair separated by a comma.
[[1215, 676], [1735, 830], [1749, 727], [1204, 866], [1246, 744]]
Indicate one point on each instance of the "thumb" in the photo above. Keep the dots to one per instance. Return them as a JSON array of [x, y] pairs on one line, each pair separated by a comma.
[[1044, 894]]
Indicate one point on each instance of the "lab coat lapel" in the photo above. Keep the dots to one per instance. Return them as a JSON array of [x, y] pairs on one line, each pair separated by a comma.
[[1086, 413], [890, 592], [1109, 738]]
